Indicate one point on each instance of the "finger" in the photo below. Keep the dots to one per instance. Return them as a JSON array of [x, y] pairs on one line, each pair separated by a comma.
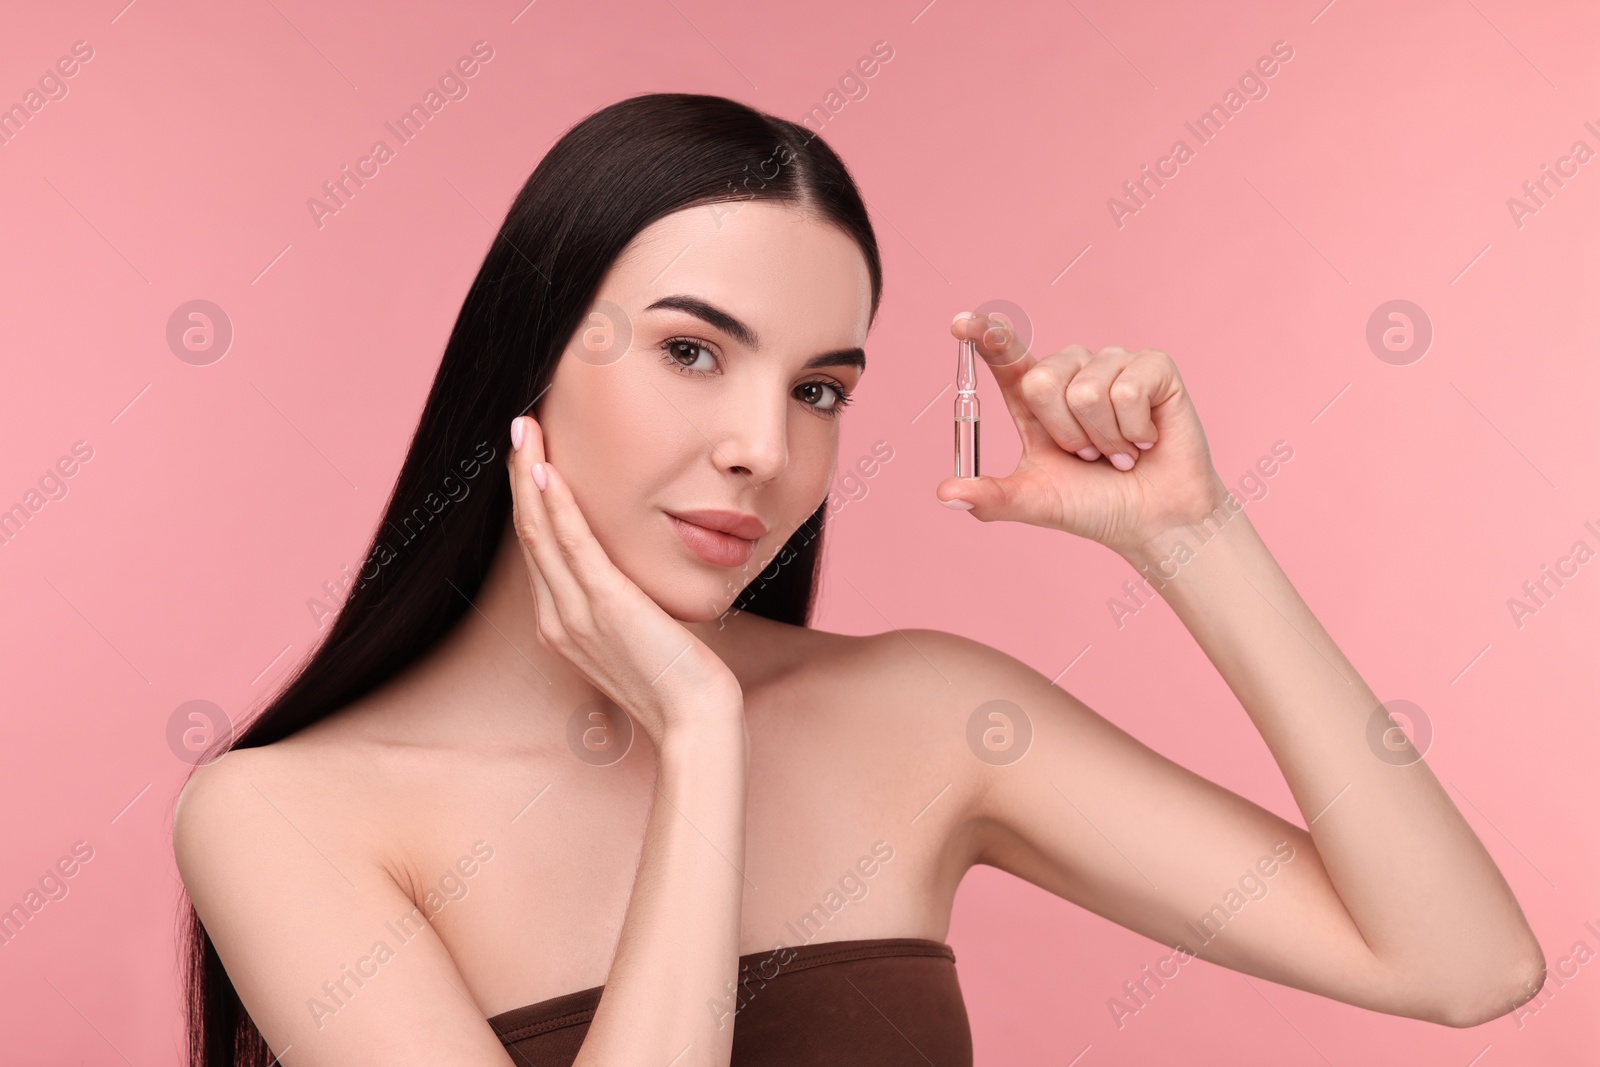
[[1045, 389], [1148, 380], [1089, 398], [547, 618], [581, 555], [533, 522], [585, 559], [1008, 359], [989, 499]]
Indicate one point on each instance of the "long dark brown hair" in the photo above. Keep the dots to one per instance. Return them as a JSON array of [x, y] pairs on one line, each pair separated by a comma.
[[614, 173]]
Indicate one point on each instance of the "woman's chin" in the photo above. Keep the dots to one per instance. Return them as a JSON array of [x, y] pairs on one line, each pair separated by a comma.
[[688, 603], [706, 612]]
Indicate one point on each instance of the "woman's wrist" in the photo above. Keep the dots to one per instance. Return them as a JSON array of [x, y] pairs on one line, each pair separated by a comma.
[[716, 734], [1164, 548]]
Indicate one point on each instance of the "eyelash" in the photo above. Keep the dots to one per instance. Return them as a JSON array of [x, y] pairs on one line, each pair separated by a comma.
[[842, 394]]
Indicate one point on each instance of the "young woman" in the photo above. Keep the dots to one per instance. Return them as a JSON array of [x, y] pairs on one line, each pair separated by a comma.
[[444, 840]]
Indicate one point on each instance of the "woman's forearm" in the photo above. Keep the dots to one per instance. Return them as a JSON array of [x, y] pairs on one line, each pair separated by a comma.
[[677, 955], [1417, 882]]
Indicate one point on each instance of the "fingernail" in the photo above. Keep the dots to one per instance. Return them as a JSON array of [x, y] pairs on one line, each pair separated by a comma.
[[1091, 453], [1122, 461], [962, 315], [1144, 444], [516, 434], [959, 505], [539, 478]]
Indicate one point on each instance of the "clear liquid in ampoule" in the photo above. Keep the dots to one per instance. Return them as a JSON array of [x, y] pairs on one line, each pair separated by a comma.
[[966, 446], [966, 410]]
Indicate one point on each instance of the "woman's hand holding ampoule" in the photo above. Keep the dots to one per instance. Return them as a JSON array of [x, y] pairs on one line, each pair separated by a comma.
[[1112, 448], [596, 617]]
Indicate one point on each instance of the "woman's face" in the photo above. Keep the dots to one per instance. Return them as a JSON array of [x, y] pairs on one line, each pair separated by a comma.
[[709, 376]]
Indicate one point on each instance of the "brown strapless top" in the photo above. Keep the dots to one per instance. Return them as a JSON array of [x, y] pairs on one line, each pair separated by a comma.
[[886, 1001]]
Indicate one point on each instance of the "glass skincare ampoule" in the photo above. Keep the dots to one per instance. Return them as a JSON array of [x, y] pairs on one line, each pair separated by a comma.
[[966, 410]]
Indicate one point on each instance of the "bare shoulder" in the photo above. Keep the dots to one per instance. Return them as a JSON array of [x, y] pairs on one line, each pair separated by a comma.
[[241, 795], [918, 672], [215, 802], [330, 791], [897, 677], [972, 698], [931, 718], [913, 655], [202, 806], [277, 857]]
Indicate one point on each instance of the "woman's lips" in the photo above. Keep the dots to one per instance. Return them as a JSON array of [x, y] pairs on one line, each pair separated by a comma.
[[714, 546]]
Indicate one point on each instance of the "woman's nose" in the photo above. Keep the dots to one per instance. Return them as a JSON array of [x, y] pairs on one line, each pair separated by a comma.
[[755, 438]]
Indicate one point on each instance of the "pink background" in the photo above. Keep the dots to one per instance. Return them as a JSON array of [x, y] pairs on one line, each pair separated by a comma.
[[1419, 498]]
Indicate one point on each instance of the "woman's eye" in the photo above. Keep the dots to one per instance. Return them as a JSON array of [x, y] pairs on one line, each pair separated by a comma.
[[823, 396], [690, 355]]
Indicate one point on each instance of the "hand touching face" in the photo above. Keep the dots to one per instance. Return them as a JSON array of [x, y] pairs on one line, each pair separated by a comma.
[[729, 338]]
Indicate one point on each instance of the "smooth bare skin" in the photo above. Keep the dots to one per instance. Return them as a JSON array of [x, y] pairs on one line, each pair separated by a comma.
[[1397, 906], [298, 854], [631, 874], [679, 942]]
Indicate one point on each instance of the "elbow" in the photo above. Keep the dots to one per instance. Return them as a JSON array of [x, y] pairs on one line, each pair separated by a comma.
[[1520, 983]]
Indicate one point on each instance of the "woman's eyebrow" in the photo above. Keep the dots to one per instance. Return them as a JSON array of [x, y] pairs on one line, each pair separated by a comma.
[[845, 357], [734, 328], [712, 314]]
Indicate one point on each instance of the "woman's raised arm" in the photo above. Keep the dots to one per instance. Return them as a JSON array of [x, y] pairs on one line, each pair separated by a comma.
[[1401, 906]]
